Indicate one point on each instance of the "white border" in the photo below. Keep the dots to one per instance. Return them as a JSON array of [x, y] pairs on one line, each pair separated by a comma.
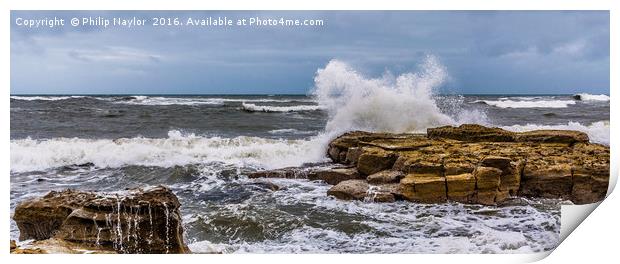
[[596, 239]]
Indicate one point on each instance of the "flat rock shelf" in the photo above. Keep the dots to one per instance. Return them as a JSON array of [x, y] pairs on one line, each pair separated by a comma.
[[467, 164]]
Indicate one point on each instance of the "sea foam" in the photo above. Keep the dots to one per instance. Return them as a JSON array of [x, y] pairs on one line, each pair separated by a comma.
[[404, 227]]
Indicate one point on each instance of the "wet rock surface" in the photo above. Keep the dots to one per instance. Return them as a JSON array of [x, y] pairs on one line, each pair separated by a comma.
[[336, 175], [145, 220], [361, 190], [56, 246], [468, 164]]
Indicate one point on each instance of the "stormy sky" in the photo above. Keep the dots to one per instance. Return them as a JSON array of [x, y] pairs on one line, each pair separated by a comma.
[[509, 52]]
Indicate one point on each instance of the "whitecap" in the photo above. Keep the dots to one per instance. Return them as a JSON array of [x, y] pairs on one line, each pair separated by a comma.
[[591, 97], [146, 100], [45, 98], [527, 103], [189, 101], [177, 149], [268, 108]]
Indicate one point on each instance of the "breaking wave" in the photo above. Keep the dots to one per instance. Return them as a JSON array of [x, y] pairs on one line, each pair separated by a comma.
[[403, 103], [527, 103], [177, 149], [268, 108], [598, 132]]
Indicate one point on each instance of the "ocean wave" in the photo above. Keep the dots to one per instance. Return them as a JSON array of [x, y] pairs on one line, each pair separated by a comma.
[[591, 97], [164, 100], [598, 132], [268, 108], [161, 100], [527, 103], [146, 100], [521, 98], [44, 98], [289, 131], [177, 149], [404, 103]]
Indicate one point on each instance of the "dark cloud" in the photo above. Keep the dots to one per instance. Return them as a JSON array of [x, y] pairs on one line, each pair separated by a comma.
[[484, 51]]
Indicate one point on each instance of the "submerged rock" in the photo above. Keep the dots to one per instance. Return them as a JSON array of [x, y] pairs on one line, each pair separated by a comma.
[[471, 164], [265, 185], [134, 221], [287, 173]]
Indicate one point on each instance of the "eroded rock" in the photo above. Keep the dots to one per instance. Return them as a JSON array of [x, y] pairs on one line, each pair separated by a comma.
[[374, 159], [134, 221], [57, 246], [471, 132], [349, 190], [461, 187], [361, 190], [552, 136], [471, 164], [386, 176], [425, 188], [334, 176], [542, 179], [497, 163]]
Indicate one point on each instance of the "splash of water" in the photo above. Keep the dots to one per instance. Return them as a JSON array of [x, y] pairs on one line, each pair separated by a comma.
[[404, 103]]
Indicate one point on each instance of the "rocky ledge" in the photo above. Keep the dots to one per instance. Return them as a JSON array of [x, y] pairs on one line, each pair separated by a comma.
[[468, 164], [143, 220]]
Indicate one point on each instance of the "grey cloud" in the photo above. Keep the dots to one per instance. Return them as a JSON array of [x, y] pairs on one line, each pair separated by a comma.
[[484, 51], [114, 54]]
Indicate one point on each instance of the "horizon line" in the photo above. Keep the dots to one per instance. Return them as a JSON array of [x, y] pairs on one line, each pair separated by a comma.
[[268, 94]]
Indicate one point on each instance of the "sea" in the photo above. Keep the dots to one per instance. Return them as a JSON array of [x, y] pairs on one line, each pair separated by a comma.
[[204, 146]]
